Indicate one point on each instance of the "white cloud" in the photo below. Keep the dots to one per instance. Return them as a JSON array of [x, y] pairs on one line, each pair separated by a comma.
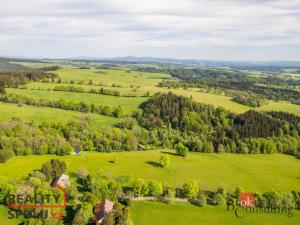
[[59, 28]]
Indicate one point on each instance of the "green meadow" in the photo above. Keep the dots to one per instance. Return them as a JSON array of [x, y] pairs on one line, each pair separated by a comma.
[[251, 172], [212, 99], [135, 91], [133, 102], [110, 76], [149, 213], [282, 106], [227, 103], [128, 103], [42, 114], [131, 82]]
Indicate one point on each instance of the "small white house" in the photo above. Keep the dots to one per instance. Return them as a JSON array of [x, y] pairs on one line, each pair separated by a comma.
[[63, 181]]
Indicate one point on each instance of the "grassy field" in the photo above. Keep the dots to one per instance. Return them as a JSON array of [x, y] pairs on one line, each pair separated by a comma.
[[128, 103], [252, 172], [132, 82], [227, 103], [41, 114], [281, 106], [111, 76], [213, 99], [86, 87], [132, 103], [149, 213]]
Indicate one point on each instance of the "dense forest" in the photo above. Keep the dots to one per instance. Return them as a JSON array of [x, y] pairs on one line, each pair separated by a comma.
[[101, 91], [217, 130]]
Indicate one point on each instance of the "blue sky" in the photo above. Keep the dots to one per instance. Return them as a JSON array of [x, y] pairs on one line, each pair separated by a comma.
[[200, 29]]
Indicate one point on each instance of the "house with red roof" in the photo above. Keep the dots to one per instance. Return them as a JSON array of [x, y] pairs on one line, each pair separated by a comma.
[[101, 210]]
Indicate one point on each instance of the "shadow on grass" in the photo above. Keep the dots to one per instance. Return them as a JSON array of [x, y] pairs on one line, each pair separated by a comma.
[[169, 153], [155, 164]]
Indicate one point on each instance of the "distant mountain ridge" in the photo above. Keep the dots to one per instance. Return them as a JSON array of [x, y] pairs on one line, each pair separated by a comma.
[[251, 65]]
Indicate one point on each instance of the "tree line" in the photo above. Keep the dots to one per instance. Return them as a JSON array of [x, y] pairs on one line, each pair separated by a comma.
[[63, 104], [16, 78], [72, 88], [192, 191]]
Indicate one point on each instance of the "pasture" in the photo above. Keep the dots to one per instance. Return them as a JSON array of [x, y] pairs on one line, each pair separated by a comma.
[[41, 114], [111, 76], [251, 172], [136, 91], [149, 213], [132, 103], [281, 106], [128, 103], [132, 83]]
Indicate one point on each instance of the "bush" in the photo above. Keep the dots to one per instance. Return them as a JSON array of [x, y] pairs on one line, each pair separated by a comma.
[[164, 160], [140, 188], [155, 188], [181, 150], [190, 189]]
